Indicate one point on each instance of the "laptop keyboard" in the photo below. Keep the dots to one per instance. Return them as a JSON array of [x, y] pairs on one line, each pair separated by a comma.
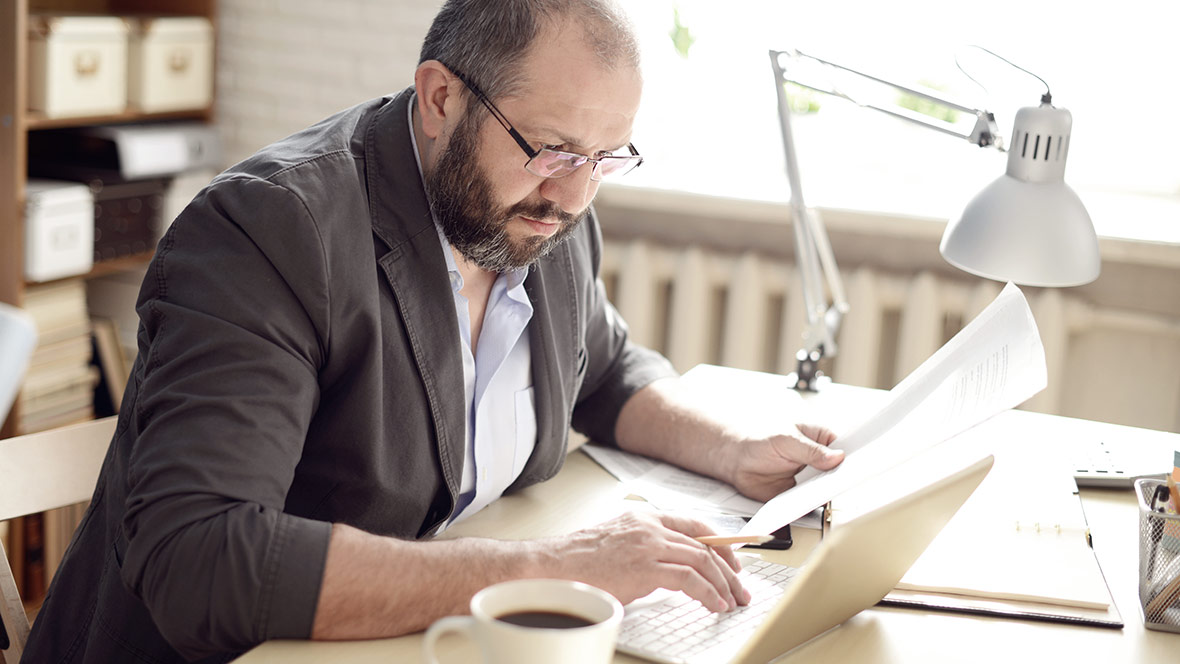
[[678, 627]]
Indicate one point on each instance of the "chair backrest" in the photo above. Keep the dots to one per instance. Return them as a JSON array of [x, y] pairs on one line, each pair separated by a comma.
[[39, 472]]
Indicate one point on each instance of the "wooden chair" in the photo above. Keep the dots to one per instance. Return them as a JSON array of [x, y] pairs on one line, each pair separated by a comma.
[[39, 472]]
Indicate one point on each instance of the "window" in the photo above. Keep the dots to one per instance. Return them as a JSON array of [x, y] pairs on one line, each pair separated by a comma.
[[1108, 64]]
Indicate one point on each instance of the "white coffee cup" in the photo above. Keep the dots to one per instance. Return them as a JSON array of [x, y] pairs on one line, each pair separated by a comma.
[[587, 620]]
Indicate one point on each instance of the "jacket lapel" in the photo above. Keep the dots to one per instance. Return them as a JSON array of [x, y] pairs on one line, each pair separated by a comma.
[[552, 339], [417, 273]]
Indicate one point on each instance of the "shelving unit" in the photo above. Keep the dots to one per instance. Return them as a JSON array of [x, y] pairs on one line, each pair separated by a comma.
[[16, 123]]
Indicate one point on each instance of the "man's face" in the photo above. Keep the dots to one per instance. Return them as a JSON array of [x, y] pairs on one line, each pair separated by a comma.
[[464, 201], [493, 211]]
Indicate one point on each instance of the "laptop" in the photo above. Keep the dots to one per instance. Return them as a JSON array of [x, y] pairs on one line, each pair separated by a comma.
[[855, 565]]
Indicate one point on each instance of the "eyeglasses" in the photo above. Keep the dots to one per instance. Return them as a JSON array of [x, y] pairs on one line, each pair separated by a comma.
[[549, 162]]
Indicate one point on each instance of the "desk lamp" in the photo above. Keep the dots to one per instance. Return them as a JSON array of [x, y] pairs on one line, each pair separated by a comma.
[[1027, 226]]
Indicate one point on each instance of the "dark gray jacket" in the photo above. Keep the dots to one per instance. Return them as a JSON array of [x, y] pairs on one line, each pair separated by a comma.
[[299, 365]]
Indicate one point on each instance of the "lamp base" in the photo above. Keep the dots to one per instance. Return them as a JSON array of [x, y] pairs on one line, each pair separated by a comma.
[[807, 376], [814, 386]]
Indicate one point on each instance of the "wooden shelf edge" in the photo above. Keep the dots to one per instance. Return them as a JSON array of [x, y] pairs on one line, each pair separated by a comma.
[[35, 120], [121, 264], [107, 267]]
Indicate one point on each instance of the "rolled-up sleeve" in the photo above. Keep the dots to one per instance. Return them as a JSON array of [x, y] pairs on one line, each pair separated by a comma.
[[234, 313]]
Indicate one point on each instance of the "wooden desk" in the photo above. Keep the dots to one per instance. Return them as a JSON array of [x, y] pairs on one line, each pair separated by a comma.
[[583, 494]]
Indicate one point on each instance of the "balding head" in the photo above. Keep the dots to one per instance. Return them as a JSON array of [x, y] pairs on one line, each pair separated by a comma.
[[488, 40]]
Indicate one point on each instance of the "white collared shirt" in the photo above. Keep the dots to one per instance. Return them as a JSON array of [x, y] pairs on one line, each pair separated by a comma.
[[497, 381]]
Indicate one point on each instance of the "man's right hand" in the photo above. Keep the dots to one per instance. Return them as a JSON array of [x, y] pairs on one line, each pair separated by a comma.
[[636, 553], [628, 556]]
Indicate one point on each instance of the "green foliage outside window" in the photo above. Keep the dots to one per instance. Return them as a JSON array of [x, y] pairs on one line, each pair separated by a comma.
[[682, 38], [927, 107], [802, 100]]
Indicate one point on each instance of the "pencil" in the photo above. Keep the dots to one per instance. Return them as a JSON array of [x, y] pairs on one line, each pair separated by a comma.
[[1163, 599], [726, 540]]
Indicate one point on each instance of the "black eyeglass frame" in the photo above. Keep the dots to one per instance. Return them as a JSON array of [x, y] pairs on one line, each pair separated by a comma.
[[533, 154]]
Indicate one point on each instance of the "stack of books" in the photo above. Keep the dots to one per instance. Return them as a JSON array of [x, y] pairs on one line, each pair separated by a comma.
[[59, 384], [58, 390]]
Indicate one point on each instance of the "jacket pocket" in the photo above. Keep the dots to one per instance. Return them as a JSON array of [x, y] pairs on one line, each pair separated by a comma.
[[123, 630]]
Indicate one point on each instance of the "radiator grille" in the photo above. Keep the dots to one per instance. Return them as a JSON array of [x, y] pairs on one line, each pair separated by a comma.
[[745, 311]]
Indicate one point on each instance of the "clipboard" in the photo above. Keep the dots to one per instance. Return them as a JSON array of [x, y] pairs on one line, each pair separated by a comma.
[[911, 599], [908, 599]]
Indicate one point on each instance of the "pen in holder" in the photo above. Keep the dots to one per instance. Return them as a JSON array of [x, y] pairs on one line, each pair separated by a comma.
[[1159, 556]]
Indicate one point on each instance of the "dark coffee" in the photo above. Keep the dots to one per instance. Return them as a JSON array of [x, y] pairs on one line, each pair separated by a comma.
[[545, 619]]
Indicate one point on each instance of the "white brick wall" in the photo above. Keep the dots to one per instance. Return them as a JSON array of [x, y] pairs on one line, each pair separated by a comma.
[[284, 64]]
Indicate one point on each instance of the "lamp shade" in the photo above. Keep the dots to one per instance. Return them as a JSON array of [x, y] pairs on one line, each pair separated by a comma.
[[1028, 226]]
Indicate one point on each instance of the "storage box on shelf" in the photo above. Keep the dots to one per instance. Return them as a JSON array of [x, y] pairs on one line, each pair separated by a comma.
[[170, 63], [125, 220], [95, 65], [77, 65], [127, 217], [59, 229]]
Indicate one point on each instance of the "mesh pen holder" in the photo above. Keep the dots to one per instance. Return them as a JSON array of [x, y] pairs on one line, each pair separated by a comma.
[[1159, 557]]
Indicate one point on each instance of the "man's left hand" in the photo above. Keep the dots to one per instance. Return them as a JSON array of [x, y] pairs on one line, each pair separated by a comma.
[[762, 468]]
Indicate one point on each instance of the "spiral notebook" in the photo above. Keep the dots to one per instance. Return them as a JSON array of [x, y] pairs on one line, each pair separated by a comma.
[[1041, 567]]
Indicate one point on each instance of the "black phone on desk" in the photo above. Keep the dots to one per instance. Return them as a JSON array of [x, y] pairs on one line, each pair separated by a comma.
[[781, 542]]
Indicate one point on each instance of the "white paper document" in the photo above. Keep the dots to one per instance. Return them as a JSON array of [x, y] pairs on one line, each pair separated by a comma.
[[670, 487], [993, 364]]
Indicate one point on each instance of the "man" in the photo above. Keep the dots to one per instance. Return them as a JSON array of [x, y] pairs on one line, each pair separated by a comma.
[[372, 329]]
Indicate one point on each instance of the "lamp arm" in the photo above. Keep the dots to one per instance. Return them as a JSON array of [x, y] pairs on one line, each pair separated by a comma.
[[814, 258], [918, 93], [984, 134]]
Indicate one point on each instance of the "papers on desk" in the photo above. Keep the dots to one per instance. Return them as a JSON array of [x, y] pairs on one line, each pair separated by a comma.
[[669, 487], [994, 363]]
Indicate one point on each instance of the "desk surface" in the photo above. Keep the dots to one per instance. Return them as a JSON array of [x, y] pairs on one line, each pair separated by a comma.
[[583, 494]]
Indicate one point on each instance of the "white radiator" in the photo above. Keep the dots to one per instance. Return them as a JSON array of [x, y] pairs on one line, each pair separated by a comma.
[[745, 311]]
